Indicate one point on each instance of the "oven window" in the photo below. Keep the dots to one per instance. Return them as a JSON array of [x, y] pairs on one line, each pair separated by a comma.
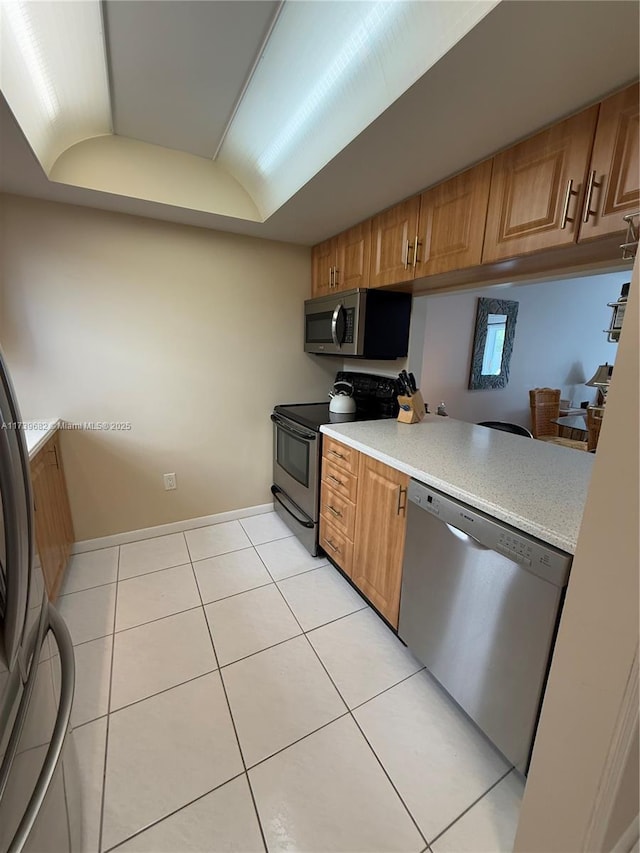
[[319, 328], [292, 454]]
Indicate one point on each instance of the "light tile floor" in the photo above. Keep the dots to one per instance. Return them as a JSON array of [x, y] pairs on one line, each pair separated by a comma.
[[235, 694]]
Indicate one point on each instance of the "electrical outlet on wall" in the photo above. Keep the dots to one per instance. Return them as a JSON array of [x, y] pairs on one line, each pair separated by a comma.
[[170, 482]]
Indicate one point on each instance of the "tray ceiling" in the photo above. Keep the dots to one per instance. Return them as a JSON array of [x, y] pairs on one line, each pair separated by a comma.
[[177, 77]]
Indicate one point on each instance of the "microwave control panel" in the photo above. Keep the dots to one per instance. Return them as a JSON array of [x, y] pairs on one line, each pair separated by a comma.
[[348, 325]]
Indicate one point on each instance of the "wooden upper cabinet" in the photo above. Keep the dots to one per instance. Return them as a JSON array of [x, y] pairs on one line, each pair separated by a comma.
[[537, 189], [352, 257], [392, 243], [613, 184], [323, 261], [380, 534], [342, 263], [452, 219]]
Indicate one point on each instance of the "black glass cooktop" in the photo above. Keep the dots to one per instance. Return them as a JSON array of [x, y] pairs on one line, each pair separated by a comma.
[[375, 398], [313, 415]]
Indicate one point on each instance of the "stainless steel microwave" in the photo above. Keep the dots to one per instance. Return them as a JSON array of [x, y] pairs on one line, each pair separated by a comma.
[[362, 323]]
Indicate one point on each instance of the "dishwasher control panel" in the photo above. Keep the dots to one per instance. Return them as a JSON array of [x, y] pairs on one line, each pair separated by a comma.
[[544, 560]]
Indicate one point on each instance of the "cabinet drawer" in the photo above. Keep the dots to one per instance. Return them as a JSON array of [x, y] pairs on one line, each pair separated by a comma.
[[337, 545], [339, 480], [344, 457], [338, 511]]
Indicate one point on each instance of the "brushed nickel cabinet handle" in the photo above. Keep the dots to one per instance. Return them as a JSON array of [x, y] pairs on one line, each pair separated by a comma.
[[335, 276], [402, 507], [587, 200], [332, 546], [415, 252], [565, 210], [336, 454], [406, 253], [336, 512], [334, 479]]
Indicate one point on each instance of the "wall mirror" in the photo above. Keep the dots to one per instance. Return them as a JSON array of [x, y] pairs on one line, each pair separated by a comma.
[[493, 343]]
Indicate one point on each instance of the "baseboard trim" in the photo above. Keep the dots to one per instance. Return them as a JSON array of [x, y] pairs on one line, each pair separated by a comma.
[[164, 529]]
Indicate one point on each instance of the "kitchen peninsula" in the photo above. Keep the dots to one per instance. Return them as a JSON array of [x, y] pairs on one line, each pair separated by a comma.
[[531, 485]]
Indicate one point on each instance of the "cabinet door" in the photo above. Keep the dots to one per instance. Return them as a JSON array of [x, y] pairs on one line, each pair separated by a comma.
[[52, 516], [323, 260], [537, 188], [452, 219], [352, 257], [392, 243], [613, 185], [380, 532]]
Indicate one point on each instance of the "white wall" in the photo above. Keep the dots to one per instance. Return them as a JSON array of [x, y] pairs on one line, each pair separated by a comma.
[[191, 335], [558, 343], [577, 792]]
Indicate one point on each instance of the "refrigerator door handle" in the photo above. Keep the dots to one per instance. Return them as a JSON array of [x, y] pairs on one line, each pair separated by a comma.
[[34, 646], [15, 487], [56, 745]]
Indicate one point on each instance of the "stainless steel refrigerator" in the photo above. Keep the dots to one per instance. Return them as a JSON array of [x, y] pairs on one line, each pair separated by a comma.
[[39, 790]]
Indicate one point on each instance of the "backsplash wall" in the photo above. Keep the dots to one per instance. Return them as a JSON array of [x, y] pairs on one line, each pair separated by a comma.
[[559, 343]]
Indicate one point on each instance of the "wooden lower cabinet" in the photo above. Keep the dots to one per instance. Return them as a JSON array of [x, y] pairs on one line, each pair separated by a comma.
[[338, 495], [380, 534], [363, 521], [52, 515]]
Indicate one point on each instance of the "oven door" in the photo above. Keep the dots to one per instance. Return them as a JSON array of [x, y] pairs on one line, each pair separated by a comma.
[[296, 470]]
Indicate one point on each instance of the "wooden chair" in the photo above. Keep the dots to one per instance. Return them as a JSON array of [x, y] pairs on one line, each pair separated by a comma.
[[595, 415], [545, 408]]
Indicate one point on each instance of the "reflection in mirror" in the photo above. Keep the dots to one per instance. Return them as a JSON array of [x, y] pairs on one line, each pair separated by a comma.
[[493, 343], [492, 357]]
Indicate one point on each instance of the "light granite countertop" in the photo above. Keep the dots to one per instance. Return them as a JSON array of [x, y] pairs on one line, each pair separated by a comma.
[[37, 433], [534, 486]]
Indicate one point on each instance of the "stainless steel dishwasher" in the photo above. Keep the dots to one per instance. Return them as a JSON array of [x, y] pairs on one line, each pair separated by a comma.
[[480, 606]]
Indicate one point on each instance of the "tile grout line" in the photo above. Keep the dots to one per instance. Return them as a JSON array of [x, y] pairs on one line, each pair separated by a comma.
[[164, 690], [233, 722], [349, 713], [106, 740], [173, 813], [474, 803]]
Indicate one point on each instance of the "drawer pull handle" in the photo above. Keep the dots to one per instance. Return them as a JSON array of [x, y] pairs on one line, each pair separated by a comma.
[[336, 454], [334, 511], [402, 508], [334, 479], [332, 546]]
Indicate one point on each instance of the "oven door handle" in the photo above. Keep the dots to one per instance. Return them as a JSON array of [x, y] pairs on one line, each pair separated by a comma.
[[276, 491], [280, 422]]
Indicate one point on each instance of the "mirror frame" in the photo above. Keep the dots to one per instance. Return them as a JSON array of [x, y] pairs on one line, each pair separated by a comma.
[[477, 380]]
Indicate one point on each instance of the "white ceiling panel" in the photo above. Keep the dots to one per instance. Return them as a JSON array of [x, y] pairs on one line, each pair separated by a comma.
[[525, 65], [177, 67]]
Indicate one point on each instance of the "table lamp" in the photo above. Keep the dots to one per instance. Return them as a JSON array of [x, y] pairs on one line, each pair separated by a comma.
[[601, 379]]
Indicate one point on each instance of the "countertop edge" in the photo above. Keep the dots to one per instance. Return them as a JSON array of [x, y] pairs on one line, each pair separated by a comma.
[[470, 498], [36, 438]]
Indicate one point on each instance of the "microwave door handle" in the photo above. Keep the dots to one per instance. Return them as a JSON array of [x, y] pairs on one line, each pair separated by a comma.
[[334, 324]]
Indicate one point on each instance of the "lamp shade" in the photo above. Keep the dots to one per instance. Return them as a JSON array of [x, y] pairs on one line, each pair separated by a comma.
[[601, 377]]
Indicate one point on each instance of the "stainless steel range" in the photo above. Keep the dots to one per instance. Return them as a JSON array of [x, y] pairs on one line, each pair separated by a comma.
[[297, 449]]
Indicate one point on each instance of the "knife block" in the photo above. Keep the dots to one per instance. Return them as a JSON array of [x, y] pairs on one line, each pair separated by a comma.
[[411, 408]]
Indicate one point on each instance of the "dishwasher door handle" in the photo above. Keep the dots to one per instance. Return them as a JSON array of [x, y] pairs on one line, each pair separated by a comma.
[[466, 537]]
